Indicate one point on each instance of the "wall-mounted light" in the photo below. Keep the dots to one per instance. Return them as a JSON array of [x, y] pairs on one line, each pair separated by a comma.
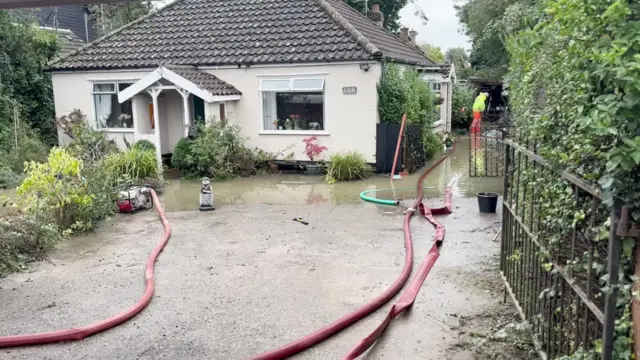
[[364, 67]]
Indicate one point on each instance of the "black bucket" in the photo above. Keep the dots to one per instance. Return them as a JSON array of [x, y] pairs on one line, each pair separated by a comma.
[[488, 202]]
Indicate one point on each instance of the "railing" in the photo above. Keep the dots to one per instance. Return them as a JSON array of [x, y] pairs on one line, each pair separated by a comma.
[[553, 272]]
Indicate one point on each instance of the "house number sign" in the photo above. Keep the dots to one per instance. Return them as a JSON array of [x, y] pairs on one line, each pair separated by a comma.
[[349, 90]]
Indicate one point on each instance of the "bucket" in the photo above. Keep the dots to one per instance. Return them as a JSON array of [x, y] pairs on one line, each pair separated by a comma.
[[488, 202]]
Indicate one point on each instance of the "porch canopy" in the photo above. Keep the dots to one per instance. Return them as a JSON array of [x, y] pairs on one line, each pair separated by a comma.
[[185, 80]]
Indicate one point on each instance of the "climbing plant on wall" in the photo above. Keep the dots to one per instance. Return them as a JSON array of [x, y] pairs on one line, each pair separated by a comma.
[[574, 79]]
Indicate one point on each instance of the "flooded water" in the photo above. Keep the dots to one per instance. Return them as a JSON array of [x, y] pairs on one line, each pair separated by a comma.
[[297, 189]]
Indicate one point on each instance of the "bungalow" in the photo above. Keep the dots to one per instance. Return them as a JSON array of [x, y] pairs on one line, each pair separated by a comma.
[[250, 63]]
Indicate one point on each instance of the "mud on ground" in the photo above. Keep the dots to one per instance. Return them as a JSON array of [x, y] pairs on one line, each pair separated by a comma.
[[245, 279]]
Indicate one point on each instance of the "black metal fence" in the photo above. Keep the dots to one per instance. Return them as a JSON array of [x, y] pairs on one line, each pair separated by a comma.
[[555, 273], [411, 157]]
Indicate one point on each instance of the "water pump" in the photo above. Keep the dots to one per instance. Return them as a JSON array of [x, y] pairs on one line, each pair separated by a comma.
[[206, 196], [134, 199]]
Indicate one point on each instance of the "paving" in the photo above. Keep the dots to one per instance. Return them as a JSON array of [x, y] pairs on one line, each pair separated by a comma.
[[245, 279]]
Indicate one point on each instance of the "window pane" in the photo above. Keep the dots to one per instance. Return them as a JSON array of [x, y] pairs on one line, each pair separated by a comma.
[[269, 114], [308, 84], [104, 88], [273, 85], [111, 114], [122, 86], [295, 110]]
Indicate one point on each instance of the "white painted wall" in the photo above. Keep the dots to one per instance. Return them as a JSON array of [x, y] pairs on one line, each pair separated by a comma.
[[350, 120], [73, 90], [119, 136]]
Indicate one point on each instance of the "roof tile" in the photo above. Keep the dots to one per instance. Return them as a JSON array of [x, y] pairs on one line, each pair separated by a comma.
[[231, 32]]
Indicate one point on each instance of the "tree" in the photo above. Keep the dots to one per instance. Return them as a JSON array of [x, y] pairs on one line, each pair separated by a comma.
[[433, 52], [488, 23], [457, 56], [110, 17], [24, 52], [390, 9]]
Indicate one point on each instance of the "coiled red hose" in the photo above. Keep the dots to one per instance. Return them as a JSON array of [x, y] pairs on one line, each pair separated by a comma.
[[331, 329], [75, 334]]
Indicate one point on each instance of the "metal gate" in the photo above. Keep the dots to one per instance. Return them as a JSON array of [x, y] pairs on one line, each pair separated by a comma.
[[486, 149], [562, 301]]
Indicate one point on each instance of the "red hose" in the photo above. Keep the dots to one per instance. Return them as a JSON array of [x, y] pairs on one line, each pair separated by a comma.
[[75, 334], [331, 329], [409, 295]]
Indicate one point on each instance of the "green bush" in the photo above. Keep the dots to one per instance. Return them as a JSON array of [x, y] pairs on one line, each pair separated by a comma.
[[134, 164], [89, 145], [219, 152], [57, 189], [433, 144], [461, 107], [182, 158], [24, 239], [391, 95], [405, 92], [144, 145], [348, 166]]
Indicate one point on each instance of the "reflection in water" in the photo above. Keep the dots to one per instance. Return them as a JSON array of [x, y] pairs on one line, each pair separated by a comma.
[[296, 189]]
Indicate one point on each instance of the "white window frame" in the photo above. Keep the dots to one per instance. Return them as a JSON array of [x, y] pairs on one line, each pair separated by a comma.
[[320, 89], [116, 84], [433, 85]]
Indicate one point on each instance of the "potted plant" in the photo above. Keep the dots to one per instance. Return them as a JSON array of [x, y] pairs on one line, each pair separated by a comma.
[[295, 120], [275, 168], [313, 150]]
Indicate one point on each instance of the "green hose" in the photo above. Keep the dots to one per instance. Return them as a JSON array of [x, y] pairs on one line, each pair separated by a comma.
[[363, 196]]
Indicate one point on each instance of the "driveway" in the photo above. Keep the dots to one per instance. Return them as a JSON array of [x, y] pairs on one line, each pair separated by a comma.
[[245, 279]]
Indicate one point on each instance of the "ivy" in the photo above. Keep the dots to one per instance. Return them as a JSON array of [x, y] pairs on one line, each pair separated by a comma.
[[574, 83]]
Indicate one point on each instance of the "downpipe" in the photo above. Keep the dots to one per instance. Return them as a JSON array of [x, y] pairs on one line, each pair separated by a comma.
[[347, 320], [75, 334]]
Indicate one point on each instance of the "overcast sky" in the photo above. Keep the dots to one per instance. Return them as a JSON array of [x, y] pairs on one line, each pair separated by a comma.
[[443, 27]]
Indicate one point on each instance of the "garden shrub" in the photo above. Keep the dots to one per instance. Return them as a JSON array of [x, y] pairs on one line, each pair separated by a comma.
[[461, 107], [134, 164], [405, 92], [182, 158], [348, 166], [24, 239], [391, 95], [433, 144], [219, 152], [89, 145], [144, 145], [57, 188], [574, 83]]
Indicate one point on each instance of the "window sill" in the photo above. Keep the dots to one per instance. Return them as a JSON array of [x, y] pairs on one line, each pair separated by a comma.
[[294, 132], [118, 130]]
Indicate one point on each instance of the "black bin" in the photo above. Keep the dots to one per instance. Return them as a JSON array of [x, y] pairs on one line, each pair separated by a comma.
[[488, 202]]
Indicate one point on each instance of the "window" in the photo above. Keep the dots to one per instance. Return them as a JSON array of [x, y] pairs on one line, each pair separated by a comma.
[[110, 114], [435, 87], [293, 104]]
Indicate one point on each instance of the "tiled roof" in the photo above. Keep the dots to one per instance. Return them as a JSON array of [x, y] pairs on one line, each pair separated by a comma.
[[392, 47], [204, 80], [68, 41], [232, 32]]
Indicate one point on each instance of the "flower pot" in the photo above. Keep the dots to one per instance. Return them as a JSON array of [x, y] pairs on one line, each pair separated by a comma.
[[275, 168], [488, 202], [313, 169]]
